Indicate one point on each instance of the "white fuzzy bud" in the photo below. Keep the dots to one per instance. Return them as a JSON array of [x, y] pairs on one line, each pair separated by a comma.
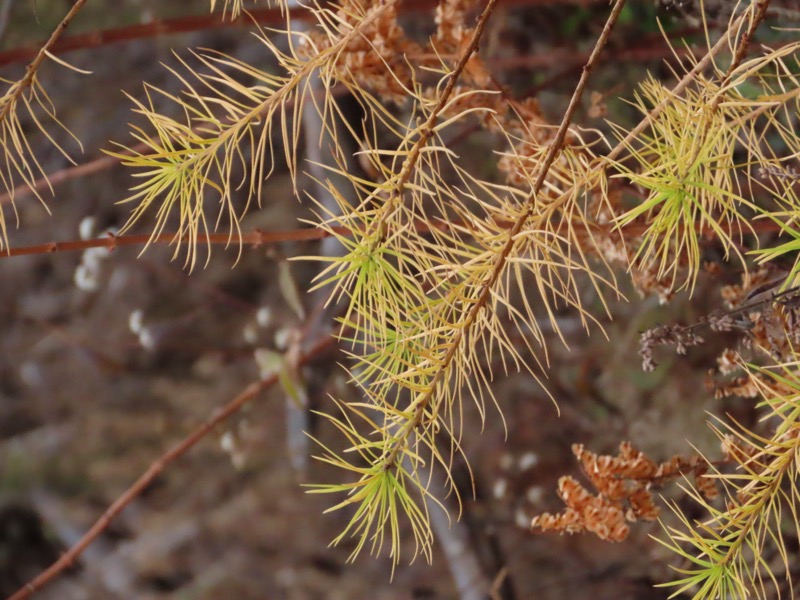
[[250, 333], [264, 316], [136, 321], [147, 339], [527, 460], [86, 228], [227, 442], [86, 278], [499, 488]]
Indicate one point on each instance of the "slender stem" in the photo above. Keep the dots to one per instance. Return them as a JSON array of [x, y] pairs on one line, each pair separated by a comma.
[[253, 238], [759, 13], [63, 175], [155, 28], [188, 24], [257, 238], [30, 71], [247, 395]]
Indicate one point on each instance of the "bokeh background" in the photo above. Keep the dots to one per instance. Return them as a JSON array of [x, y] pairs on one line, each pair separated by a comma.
[[89, 400]]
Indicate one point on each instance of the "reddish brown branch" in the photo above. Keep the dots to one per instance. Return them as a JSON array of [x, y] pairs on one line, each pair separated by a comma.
[[44, 183], [643, 51], [155, 469], [257, 237], [253, 238], [95, 39], [187, 24]]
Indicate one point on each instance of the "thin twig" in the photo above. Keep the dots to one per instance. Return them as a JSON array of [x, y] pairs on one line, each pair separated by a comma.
[[30, 71], [257, 238], [188, 24], [64, 175], [679, 87], [253, 238], [759, 13], [156, 468], [155, 28]]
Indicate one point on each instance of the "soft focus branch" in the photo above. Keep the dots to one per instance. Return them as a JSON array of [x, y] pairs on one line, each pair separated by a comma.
[[188, 24], [249, 394], [257, 237]]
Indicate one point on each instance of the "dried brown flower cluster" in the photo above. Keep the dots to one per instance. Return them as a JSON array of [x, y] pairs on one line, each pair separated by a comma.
[[770, 317], [767, 319], [720, 321], [379, 56], [451, 30], [584, 512], [736, 450], [623, 484], [680, 336], [750, 384], [742, 386]]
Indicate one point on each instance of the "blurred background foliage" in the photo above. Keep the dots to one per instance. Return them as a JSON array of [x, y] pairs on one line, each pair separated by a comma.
[[87, 401]]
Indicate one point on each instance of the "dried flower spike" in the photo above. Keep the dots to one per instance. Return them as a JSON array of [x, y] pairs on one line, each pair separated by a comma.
[[682, 337]]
